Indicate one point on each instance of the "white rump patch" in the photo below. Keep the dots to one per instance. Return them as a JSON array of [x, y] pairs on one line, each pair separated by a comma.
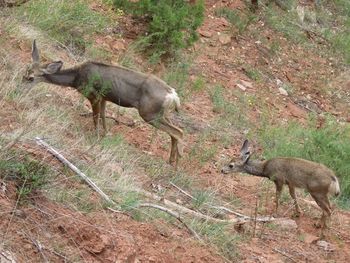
[[172, 101]]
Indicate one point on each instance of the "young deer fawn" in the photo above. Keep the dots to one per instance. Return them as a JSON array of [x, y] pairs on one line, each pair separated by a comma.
[[152, 97], [316, 178]]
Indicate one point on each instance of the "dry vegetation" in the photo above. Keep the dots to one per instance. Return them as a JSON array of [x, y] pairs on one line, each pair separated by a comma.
[[231, 84]]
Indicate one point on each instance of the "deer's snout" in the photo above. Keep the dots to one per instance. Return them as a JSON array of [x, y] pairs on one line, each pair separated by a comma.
[[224, 171]]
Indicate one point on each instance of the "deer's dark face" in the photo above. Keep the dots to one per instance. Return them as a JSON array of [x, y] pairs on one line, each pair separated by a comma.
[[35, 72], [235, 166], [29, 75]]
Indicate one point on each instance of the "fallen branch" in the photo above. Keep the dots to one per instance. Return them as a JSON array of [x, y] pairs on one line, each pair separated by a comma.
[[38, 246], [61, 158], [284, 254], [179, 208], [213, 206], [174, 214]]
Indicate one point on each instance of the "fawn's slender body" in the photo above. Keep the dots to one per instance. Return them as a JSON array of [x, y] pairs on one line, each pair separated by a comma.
[[316, 178], [151, 96]]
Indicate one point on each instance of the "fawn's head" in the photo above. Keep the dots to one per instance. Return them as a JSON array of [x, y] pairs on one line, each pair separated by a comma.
[[237, 164], [34, 72]]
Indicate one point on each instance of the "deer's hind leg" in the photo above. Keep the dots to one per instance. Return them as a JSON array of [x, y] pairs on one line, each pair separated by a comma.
[[293, 195], [176, 135], [279, 188], [323, 202]]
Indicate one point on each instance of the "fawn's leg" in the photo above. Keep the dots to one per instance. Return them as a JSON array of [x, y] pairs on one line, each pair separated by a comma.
[[279, 187], [293, 195]]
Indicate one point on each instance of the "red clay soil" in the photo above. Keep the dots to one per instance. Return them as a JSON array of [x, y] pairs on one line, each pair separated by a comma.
[[45, 230], [111, 237]]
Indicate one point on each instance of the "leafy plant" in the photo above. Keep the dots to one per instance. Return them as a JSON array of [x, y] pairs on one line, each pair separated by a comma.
[[69, 22], [172, 24], [28, 174]]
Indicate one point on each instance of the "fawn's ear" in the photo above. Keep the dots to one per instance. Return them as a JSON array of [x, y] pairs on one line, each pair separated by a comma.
[[245, 153], [35, 53], [52, 68]]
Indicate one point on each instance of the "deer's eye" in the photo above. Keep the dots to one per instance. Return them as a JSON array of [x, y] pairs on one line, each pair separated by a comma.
[[230, 165]]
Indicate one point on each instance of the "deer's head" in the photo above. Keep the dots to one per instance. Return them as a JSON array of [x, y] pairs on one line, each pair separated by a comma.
[[237, 164], [35, 72]]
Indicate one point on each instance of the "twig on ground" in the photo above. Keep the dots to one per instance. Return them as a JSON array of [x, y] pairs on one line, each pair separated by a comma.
[[174, 214], [118, 211], [284, 254], [38, 246], [211, 206], [74, 168]]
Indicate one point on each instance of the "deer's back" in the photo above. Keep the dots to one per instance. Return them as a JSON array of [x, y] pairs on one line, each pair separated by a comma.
[[125, 87], [300, 173]]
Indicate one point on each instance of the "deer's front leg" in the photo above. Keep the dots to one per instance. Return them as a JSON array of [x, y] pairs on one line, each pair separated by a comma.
[[96, 109], [103, 116]]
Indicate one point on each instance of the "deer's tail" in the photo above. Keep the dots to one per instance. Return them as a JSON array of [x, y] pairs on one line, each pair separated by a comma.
[[334, 188], [172, 101]]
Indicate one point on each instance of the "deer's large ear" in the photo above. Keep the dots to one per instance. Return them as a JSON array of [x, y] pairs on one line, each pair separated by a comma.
[[53, 67], [35, 54], [245, 153]]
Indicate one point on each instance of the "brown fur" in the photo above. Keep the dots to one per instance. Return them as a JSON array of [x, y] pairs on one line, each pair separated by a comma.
[[316, 178], [151, 96]]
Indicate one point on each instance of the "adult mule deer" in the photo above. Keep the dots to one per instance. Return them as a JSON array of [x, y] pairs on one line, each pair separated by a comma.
[[151, 96], [316, 178]]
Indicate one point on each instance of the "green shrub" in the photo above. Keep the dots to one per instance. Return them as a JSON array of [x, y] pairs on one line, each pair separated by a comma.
[[69, 22], [29, 175], [329, 145], [172, 24]]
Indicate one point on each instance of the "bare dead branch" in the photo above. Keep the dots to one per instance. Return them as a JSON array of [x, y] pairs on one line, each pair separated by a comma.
[[38, 246], [174, 214], [209, 205], [284, 254], [61, 158]]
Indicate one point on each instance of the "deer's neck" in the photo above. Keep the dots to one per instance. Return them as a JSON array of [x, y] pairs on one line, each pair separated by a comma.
[[67, 78], [255, 168]]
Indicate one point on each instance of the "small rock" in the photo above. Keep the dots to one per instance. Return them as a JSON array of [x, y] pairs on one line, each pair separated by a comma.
[[247, 84], [118, 46], [326, 246], [283, 91], [241, 87], [310, 239], [205, 33], [286, 224], [179, 201], [224, 39]]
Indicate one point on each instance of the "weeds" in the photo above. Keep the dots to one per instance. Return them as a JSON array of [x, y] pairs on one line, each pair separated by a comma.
[[171, 24], [239, 20], [69, 22], [29, 175], [220, 236]]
